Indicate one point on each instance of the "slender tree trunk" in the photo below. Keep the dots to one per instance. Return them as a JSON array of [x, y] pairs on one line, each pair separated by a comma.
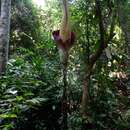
[[95, 56], [4, 33], [85, 97]]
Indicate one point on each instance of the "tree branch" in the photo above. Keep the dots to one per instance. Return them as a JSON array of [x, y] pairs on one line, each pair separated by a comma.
[[103, 42]]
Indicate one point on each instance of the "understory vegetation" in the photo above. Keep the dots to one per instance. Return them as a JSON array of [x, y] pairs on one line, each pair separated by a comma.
[[32, 87]]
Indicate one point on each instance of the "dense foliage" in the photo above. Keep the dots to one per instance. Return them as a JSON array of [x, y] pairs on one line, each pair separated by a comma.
[[31, 89]]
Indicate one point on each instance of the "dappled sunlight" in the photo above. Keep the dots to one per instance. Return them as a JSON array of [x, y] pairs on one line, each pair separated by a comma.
[[39, 3], [119, 75]]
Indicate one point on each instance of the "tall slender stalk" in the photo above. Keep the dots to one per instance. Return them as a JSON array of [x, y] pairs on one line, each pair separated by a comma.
[[64, 97]]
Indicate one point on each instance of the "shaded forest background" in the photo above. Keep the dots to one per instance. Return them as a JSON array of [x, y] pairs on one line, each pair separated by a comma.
[[31, 87]]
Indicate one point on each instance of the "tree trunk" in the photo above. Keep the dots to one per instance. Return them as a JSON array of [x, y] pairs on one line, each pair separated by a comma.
[[85, 97], [95, 56], [4, 33]]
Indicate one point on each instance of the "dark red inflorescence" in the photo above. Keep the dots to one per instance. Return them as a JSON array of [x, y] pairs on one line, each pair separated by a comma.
[[63, 45]]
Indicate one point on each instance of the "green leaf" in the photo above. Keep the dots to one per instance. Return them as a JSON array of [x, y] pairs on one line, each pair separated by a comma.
[[4, 116], [36, 101]]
